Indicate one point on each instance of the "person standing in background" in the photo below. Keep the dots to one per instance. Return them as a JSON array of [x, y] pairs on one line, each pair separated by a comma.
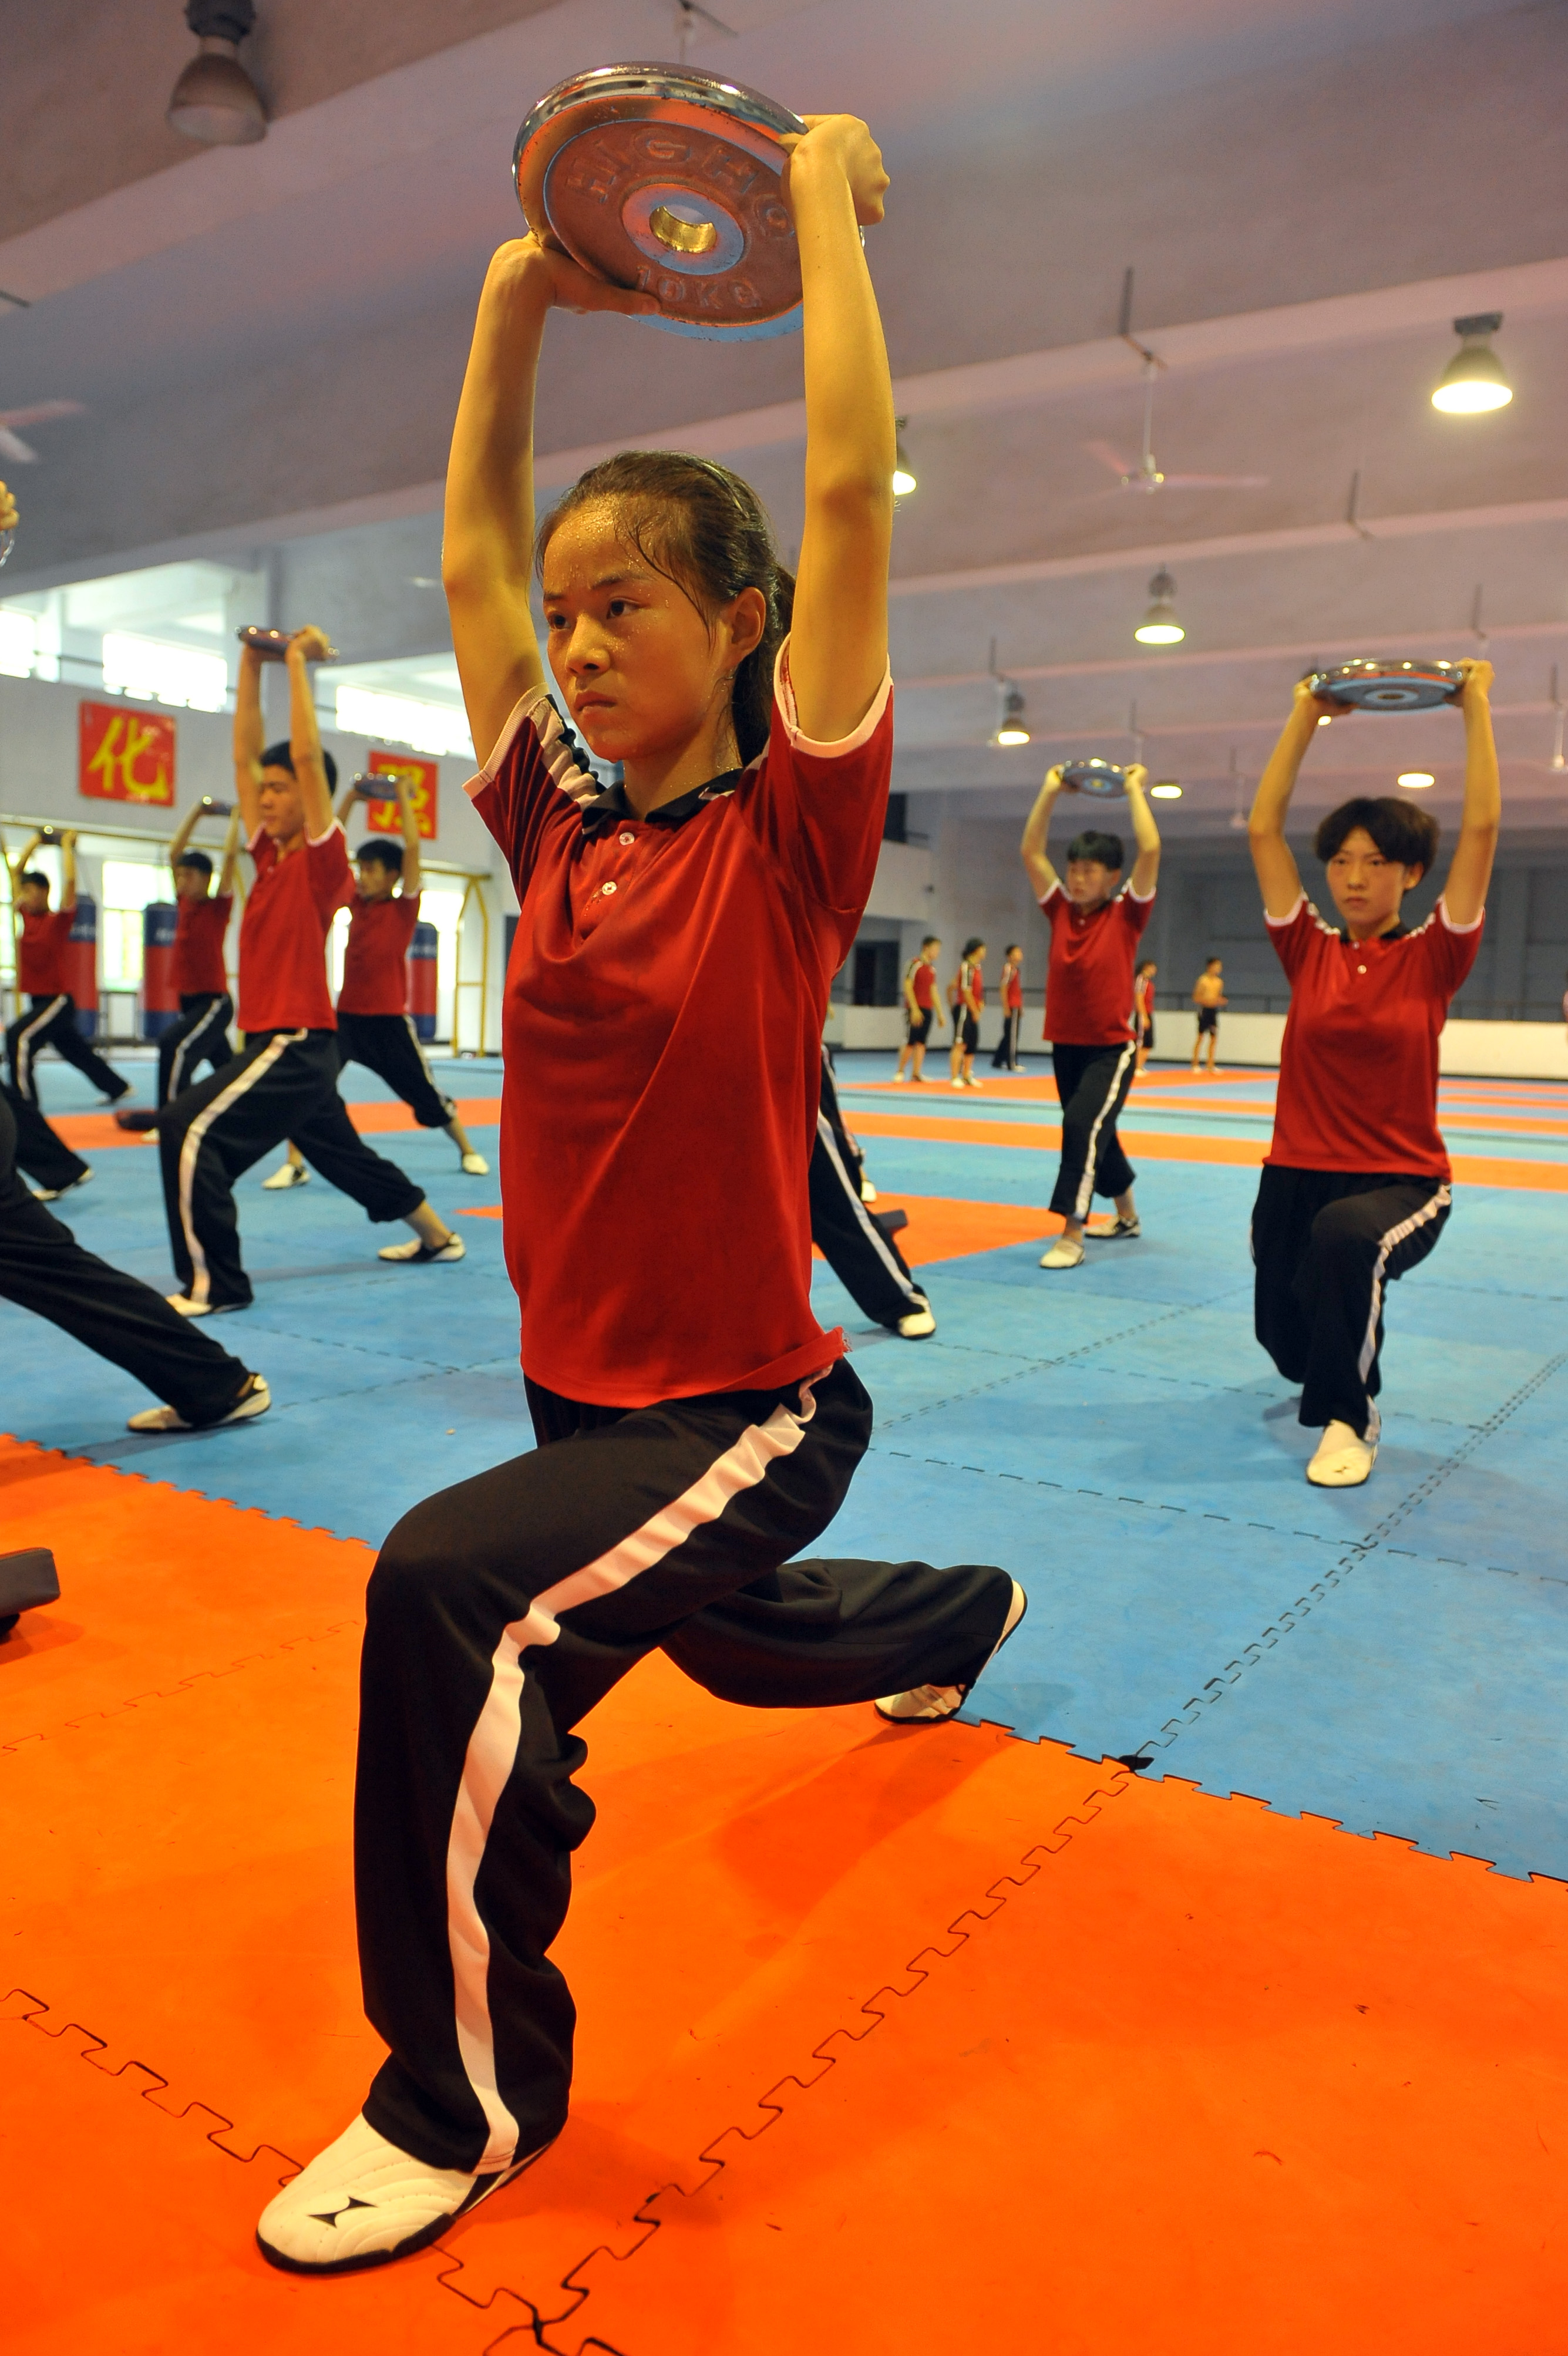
[[1209, 997], [1011, 994], [43, 947], [920, 1007], [968, 994], [1144, 1012]]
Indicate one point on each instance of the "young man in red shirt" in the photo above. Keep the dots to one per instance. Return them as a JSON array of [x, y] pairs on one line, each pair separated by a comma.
[[1095, 926], [43, 941], [1011, 994], [373, 1024], [284, 1082], [920, 1007], [1355, 1189]]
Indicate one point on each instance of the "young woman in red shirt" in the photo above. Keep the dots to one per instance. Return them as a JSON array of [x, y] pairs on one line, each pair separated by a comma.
[[968, 994], [677, 936], [920, 1007], [1355, 1189], [1011, 994]]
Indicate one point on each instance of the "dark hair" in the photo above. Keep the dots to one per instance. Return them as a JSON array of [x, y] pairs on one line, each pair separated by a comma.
[[280, 757], [932, 941], [1402, 833], [389, 854], [1213, 961], [969, 947], [1094, 843], [197, 859], [705, 530], [33, 875]]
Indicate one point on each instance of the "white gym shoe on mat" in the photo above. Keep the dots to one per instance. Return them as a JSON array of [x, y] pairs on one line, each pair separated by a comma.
[[1063, 1255], [1114, 1229], [255, 1399], [362, 2202], [918, 1324], [292, 1173], [928, 1705], [475, 1166], [189, 1307], [53, 1194], [415, 1251], [1343, 1459]]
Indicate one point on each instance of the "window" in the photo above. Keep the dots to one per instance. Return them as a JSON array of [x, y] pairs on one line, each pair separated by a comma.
[[161, 673], [128, 886], [18, 645], [405, 720]]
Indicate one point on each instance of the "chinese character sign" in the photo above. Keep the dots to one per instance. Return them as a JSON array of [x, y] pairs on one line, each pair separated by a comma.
[[423, 776], [124, 755]]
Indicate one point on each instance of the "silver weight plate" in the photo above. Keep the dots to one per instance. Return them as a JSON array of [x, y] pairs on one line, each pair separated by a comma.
[[1376, 684], [271, 645], [1094, 776], [668, 181]]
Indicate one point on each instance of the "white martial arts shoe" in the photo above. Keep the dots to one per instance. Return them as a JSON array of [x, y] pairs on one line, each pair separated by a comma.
[[189, 1307], [362, 2202], [1343, 1461], [1116, 1230], [1063, 1255], [918, 1324], [475, 1166], [53, 1194], [415, 1250], [928, 1705], [255, 1399], [867, 1191], [292, 1174]]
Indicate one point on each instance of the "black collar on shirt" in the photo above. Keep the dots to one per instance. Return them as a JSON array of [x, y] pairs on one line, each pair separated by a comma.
[[612, 808], [1394, 933]]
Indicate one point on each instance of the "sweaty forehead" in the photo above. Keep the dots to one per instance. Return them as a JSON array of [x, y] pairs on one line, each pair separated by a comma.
[[589, 549]]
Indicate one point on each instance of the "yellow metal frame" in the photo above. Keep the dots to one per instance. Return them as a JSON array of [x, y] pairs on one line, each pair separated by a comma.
[[473, 890]]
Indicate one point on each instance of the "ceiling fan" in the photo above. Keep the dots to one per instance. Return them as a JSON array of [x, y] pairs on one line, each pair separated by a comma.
[[1146, 475], [39, 412]]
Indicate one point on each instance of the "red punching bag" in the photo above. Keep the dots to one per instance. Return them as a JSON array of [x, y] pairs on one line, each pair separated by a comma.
[[422, 970], [81, 965]]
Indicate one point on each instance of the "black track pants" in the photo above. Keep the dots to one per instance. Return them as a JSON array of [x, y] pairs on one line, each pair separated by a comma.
[[200, 1036], [283, 1085], [388, 1044], [1326, 1243], [1092, 1083], [38, 1149], [43, 1268], [866, 1262], [1006, 1059], [499, 1613], [51, 1022]]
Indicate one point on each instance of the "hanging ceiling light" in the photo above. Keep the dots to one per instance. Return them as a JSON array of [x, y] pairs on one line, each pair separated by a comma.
[[1012, 728], [1159, 626], [215, 100], [1473, 378], [904, 478], [1417, 779], [1167, 790]]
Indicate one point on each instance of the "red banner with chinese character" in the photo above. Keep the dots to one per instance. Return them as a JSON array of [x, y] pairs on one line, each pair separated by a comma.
[[423, 776], [124, 755]]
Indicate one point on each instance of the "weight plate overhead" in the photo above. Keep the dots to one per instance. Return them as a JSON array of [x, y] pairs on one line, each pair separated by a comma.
[[1375, 684], [1094, 776], [669, 182]]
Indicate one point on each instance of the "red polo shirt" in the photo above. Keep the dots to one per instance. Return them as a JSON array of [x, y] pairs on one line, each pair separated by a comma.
[[923, 982], [1013, 987], [1358, 1087], [375, 968], [283, 934], [1089, 983], [663, 1019], [971, 984], [41, 952], [199, 929]]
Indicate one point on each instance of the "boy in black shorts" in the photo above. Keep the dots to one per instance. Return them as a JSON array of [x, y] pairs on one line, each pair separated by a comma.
[[969, 999], [920, 1007], [1209, 997]]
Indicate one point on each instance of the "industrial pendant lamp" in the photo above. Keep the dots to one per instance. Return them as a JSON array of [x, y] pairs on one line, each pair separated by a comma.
[[215, 100], [904, 477], [1473, 378], [1159, 626], [1012, 728]]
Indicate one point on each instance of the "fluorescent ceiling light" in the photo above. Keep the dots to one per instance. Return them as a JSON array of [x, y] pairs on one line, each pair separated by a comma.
[[1166, 791], [1474, 379], [1159, 626], [1416, 778], [904, 478]]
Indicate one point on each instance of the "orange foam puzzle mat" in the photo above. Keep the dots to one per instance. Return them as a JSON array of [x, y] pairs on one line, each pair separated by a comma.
[[891, 2037]]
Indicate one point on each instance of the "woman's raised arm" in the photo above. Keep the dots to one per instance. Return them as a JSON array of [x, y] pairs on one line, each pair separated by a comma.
[[838, 650]]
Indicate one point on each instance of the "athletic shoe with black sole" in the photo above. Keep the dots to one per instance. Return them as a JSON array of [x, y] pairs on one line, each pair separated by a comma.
[[929, 1705], [362, 2202], [53, 1194], [415, 1252], [253, 1401]]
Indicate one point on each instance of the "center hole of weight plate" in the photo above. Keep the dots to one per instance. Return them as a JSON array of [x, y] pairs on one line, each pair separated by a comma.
[[683, 229]]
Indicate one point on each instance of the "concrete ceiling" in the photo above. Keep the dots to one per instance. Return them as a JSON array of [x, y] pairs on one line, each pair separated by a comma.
[[268, 341]]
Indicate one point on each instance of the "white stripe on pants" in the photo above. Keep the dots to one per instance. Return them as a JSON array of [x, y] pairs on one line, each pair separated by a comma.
[[275, 1048], [26, 1040]]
